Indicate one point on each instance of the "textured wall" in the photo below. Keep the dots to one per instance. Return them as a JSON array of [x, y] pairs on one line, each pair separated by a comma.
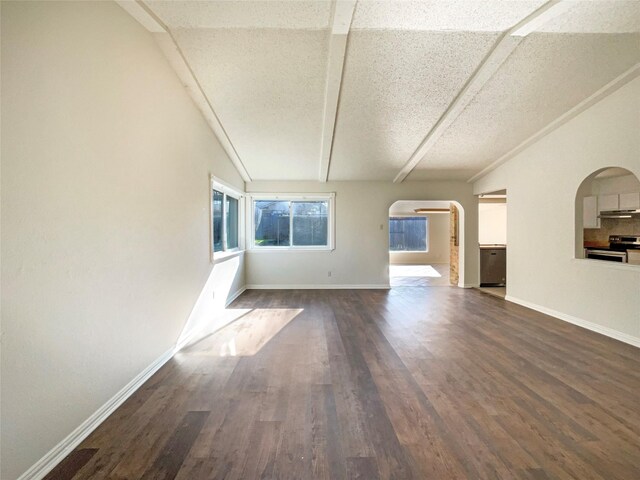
[[542, 183], [105, 215], [361, 255]]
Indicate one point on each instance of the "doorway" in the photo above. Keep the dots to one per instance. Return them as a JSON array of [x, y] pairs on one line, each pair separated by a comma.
[[419, 244], [492, 239]]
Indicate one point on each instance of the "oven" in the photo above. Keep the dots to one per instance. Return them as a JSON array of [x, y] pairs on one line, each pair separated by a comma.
[[608, 255]]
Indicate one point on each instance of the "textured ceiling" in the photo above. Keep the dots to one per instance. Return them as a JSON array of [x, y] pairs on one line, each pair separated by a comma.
[[613, 16], [546, 75], [439, 15], [263, 66], [298, 14], [396, 85], [267, 88]]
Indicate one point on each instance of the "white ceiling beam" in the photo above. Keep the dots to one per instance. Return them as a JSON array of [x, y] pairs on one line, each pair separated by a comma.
[[167, 43], [137, 11], [603, 92], [547, 12], [342, 16], [505, 45]]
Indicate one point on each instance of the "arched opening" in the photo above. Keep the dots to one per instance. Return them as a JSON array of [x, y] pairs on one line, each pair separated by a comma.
[[608, 217], [426, 243]]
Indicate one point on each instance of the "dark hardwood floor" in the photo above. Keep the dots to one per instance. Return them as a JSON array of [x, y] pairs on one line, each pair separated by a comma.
[[411, 383]]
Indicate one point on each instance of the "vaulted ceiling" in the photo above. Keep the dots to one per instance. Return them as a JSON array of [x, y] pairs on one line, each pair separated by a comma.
[[394, 90]]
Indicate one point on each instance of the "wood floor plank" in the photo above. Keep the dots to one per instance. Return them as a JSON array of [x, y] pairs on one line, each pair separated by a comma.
[[415, 382], [170, 459], [68, 468]]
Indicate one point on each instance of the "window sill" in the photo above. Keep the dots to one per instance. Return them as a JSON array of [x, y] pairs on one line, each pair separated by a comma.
[[220, 257], [289, 249], [605, 264], [408, 251]]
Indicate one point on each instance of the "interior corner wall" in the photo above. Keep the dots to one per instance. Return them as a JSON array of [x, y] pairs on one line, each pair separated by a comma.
[[361, 254], [105, 215], [542, 182]]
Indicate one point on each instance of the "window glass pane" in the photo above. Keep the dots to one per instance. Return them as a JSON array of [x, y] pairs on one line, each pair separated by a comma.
[[408, 234], [271, 223], [310, 223], [217, 221], [232, 222]]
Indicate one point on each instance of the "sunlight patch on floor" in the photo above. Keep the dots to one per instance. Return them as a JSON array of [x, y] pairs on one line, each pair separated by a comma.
[[247, 335], [413, 271]]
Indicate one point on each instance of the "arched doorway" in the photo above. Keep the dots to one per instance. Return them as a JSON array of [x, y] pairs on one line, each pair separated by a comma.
[[424, 243]]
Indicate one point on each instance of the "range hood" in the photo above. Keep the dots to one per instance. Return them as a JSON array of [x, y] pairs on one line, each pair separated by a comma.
[[619, 213]]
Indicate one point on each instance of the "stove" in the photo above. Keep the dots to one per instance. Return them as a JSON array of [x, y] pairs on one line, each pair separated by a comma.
[[621, 249], [624, 242]]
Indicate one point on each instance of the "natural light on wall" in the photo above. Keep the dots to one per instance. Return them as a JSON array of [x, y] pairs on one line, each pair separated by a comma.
[[209, 312]]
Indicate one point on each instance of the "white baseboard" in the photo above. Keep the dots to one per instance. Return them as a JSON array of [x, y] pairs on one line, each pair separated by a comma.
[[594, 327], [234, 296], [318, 287], [43, 466], [202, 330]]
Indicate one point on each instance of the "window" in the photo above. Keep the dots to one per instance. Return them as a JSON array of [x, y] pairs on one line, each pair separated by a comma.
[[225, 218], [408, 234], [217, 221], [231, 213], [293, 222]]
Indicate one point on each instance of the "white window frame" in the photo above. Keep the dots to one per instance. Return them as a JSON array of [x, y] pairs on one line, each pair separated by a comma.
[[227, 191], [407, 215], [291, 197]]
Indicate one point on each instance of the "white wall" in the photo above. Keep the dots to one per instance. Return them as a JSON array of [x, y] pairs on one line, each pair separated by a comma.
[[437, 231], [492, 223], [105, 207], [613, 185], [361, 256], [542, 182]]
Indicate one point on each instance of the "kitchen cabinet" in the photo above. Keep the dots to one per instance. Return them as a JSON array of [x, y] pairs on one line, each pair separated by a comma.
[[629, 201], [608, 202], [590, 212]]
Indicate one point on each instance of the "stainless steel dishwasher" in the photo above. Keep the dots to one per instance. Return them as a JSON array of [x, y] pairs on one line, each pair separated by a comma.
[[493, 265]]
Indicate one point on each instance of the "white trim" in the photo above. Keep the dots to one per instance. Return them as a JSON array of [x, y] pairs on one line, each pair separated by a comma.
[[240, 291], [49, 461], [594, 327], [551, 10], [225, 187], [324, 249], [220, 257], [169, 46], [136, 10], [196, 332], [227, 190], [319, 287], [330, 197], [341, 23], [493, 60], [605, 91], [291, 196]]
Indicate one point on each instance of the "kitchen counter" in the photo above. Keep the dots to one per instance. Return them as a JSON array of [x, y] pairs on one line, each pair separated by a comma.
[[596, 244]]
